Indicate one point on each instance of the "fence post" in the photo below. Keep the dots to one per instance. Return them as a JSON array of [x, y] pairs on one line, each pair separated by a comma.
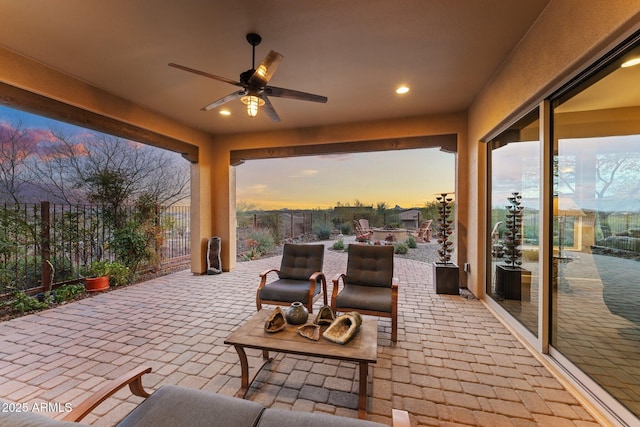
[[45, 227]]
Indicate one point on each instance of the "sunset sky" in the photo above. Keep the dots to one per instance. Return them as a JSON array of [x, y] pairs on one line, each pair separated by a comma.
[[408, 178]]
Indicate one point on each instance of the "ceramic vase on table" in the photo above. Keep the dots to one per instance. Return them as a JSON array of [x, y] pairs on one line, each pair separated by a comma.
[[297, 314]]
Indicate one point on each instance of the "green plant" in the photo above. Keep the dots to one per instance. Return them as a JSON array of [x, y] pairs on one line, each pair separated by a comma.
[[400, 248], [251, 254], [411, 242], [131, 246], [339, 245], [322, 231], [119, 274], [264, 239], [95, 269], [25, 303], [68, 292]]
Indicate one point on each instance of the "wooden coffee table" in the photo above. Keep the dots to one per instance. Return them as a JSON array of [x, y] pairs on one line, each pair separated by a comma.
[[362, 349]]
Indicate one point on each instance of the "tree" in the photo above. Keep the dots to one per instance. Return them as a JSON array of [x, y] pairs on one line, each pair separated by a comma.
[[110, 171], [15, 148]]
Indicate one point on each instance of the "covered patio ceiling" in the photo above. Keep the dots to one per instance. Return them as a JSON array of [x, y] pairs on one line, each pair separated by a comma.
[[356, 53]]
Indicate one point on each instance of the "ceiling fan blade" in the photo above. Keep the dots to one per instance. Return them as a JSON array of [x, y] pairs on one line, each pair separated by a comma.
[[224, 100], [205, 74], [265, 70], [269, 110], [293, 94]]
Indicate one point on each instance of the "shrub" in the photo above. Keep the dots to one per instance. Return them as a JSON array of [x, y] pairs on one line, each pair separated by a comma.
[[119, 274], [322, 231], [24, 303], [411, 242], [130, 244], [400, 248], [264, 239], [339, 245], [68, 292]]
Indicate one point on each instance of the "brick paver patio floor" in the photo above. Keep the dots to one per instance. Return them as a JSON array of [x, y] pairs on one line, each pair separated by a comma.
[[454, 363]]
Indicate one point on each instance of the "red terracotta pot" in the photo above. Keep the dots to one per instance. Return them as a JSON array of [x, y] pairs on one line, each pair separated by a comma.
[[96, 284]]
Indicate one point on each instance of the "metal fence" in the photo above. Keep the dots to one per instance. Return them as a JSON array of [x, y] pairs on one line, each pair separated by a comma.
[[45, 244], [286, 224]]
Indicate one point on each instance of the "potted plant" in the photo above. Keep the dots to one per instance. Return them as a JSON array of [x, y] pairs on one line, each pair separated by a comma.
[[96, 276], [510, 277], [446, 274]]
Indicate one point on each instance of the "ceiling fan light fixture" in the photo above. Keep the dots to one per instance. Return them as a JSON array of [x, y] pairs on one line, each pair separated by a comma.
[[402, 90], [252, 101], [262, 71]]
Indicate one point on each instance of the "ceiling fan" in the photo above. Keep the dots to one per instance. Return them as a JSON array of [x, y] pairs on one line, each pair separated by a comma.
[[255, 93]]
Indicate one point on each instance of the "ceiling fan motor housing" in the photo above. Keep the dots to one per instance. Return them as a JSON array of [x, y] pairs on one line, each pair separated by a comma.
[[244, 77], [254, 39]]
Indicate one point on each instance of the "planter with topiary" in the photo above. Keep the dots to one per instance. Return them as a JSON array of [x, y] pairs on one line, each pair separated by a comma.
[[513, 281], [446, 274]]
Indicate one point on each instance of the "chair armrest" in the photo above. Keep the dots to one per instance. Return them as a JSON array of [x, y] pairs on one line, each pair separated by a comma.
[[336, 285], [132, 378], [313, 280], [400, 418], [264, 273], [263, 277]]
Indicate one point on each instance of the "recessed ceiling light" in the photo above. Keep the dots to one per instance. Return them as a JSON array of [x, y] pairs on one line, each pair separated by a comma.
[[631, 62], [402, 89], [225, 112]]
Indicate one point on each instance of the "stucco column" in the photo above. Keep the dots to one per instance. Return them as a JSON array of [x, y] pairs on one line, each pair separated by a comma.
[[213, 206]]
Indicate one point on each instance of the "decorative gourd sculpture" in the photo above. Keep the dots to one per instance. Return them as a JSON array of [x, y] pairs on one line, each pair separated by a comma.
[[325, 316], [276, 321], [310, 330], [344, 328]]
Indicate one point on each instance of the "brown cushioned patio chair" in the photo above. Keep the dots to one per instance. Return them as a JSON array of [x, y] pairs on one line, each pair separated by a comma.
[[369, 286], [300, 278]]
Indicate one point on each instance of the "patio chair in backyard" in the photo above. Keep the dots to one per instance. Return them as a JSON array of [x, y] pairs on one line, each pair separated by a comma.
[[361, 233], [424, 232], [300, 278], [368, 285], [364, 223]]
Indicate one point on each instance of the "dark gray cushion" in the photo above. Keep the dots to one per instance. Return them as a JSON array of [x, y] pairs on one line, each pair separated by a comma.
[[282, 418], [364, 298], [370, 265], [173, 406], [288, 290], [299, 262]]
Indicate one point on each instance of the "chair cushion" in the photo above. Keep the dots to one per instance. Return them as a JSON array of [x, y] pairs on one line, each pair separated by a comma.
[[370, 265], [287, 290], [299, 262], [180, 406], [372, 298], [282, 418]]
